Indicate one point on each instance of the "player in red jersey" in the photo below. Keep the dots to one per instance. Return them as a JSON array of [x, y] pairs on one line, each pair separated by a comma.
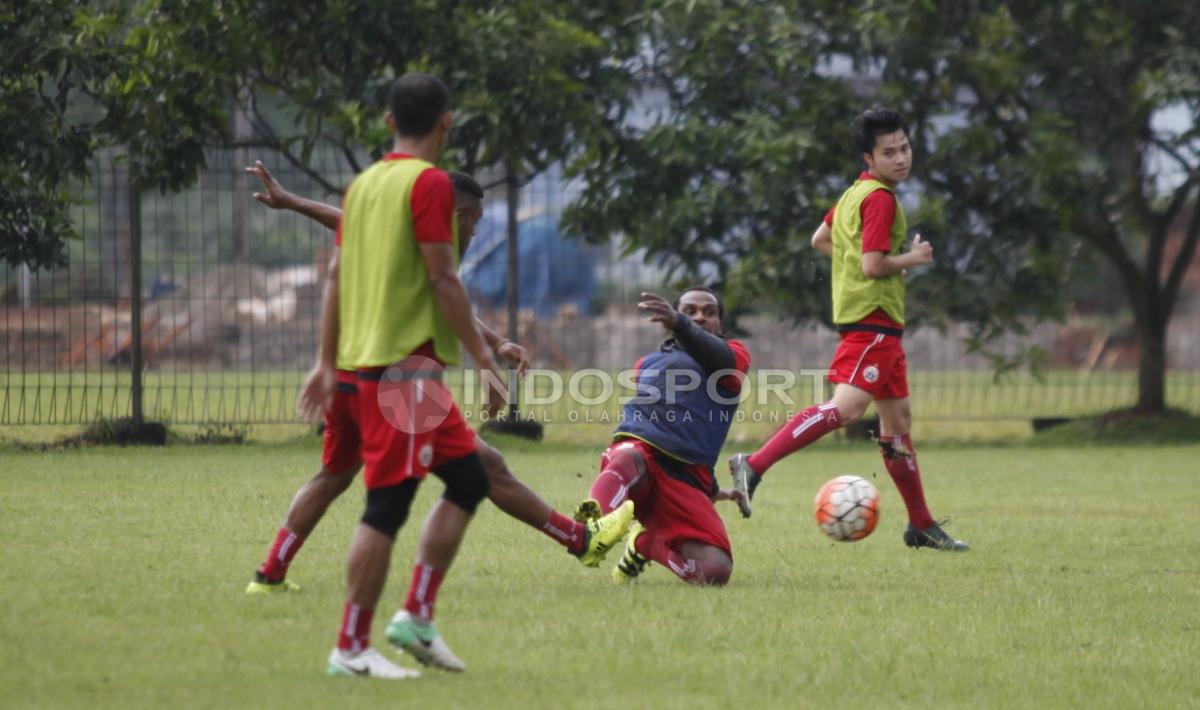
[[667, 443], [864, 234], [340, 460]]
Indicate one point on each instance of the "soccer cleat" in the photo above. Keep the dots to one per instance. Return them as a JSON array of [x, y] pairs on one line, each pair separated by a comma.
[[745, 479], [603, 533], [262, 585], [587, 510], [934, 537], [632, 563], [422, 640], [367, 663]]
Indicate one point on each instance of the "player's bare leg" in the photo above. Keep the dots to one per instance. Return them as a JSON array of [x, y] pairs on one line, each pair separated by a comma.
[[900, 460], [582, 537], [306, 510]]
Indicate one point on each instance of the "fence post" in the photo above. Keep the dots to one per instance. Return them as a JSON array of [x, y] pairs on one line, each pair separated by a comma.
[[135, 296], [513, 195]]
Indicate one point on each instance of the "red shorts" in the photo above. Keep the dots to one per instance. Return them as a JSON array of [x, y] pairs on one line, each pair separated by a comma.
[[673, 510], [393, 451], [341, 440], [872, 362]]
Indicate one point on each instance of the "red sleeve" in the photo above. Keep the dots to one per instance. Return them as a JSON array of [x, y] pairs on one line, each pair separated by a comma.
[[878, 212], [829, 217], [741, 363], [433, 206]]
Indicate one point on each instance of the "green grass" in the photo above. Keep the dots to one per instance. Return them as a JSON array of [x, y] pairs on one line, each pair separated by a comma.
[[122, 576]]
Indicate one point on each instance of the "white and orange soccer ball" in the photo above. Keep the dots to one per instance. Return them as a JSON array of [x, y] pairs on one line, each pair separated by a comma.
[[847, 508]]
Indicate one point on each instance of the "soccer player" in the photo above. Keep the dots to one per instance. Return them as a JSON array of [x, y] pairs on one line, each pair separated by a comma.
[[864, 233], [667, 443], [587, 541], [400, 313]]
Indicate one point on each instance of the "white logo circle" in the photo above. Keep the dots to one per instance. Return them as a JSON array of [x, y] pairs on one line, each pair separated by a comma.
[[871, 374], [425, 456]]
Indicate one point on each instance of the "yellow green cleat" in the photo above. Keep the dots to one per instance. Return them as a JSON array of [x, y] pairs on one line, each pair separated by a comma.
[[261, 585], [632, 563], [604, 532]]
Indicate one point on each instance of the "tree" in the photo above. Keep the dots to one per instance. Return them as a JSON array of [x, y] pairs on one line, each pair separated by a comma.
[[80, 77], [1033, 127], [46, 126], [1053, 142]]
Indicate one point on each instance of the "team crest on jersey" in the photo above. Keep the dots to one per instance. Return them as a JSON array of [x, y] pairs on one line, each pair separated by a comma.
[[425, 456], [871, 374]]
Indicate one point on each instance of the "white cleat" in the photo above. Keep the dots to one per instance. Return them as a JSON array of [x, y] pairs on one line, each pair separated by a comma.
[[368, 663], [422, 640]]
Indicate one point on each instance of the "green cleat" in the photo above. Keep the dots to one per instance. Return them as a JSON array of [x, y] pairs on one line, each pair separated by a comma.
[[422, 640], [367, 663], [603, 533], [262, 585], [632, 563], [745, 479]]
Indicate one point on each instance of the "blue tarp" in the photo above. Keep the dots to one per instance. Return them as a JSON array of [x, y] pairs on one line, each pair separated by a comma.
[[553, 270]]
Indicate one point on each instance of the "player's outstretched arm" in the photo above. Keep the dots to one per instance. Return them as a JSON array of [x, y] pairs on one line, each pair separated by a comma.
[[711, 351], [278, 198]]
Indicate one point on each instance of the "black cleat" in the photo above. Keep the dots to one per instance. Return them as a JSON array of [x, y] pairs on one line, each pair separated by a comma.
[[745, 479], [934, 537]]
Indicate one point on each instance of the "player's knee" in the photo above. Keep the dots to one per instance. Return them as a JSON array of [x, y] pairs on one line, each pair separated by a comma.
[[334, 483], [466, 482], [387, 508], [717, 574], [493, 465]]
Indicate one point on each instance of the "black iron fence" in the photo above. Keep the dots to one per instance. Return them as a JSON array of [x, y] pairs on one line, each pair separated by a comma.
[[229, 295]]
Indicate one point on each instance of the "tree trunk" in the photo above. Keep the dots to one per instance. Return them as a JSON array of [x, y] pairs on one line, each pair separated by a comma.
[[1152, 359]]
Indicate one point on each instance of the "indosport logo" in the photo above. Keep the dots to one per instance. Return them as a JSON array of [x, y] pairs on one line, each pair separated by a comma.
[[413, 396]]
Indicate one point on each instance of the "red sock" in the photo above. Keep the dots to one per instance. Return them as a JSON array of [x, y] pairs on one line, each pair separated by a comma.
[[619, 472], [355, 635], [800, 431], [287, 544], [422, 591], [902, 467], [565, 531]]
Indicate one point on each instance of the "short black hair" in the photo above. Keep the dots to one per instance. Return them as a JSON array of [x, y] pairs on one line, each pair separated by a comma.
[[417, 102], [698, 287], [465, 184], [874, 122]]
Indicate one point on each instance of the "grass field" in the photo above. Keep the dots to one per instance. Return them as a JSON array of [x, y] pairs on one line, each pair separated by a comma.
[[122, 574]]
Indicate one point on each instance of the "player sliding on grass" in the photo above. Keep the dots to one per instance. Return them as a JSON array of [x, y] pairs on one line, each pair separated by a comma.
[[340, 462], [864, 233], [394, 304], [664, 450]]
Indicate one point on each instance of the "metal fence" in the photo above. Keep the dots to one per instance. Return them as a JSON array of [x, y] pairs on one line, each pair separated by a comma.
[[230, 296]]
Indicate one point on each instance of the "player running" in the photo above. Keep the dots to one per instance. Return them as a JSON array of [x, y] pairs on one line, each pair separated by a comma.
[[340, 462], [664, 450], [864, 233]]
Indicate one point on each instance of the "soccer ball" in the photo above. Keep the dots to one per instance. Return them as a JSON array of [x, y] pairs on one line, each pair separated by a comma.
[[847, 508]]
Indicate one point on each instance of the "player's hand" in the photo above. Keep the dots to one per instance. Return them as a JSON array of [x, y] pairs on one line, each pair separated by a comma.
[[922, 251], [494, 382], [659, 309], [316, 395], [515, 354], [275, 196]]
